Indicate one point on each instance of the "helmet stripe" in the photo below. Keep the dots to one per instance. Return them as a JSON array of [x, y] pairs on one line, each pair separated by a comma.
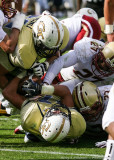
[[58, 133], [57, 29], [77, 97], [82, 95]]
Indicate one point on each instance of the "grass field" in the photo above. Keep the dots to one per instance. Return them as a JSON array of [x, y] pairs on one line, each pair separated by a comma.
[[12, 146]]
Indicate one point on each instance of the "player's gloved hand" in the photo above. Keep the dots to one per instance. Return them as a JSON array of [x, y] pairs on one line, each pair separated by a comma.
[[101, 144], [31, 88], [40, 68], [18, 20]]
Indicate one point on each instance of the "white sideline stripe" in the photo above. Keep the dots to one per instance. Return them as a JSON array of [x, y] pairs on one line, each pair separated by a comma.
[[62, 153], [5, 119]]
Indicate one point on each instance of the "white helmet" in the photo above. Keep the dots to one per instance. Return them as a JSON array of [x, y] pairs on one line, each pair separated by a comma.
[[55, 125], [88, 12], [48, 35]]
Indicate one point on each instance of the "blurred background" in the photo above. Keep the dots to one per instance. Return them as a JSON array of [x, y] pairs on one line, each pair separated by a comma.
[[61, 8]]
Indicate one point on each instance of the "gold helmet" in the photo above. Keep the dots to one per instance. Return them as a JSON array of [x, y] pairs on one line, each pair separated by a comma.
[[102, 24], [103, 62], [87, 99]]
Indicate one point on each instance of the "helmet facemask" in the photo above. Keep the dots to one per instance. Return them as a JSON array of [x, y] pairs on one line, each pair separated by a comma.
[[92, 113], [9, 12], [44, 51], [57, 109], [102, 65]]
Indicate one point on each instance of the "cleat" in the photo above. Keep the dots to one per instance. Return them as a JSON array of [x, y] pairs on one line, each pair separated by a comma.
[[29, 137], [19, 130], [26, 138], [5, 111]]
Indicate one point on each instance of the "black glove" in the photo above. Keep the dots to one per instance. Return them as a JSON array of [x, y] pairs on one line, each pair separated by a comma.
[[31, 88]]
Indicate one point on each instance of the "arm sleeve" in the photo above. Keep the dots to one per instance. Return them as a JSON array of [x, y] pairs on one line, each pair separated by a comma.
[[71, 84], [2, 34], [64, 61]]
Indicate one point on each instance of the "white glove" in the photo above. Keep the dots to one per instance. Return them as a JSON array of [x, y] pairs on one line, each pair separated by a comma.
[[40, 68], [18, 20], [101, 144]]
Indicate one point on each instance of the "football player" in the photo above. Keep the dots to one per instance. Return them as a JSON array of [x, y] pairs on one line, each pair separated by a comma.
[[40, 115], [8, 42], [27, 52], [108, 126], [91, 102], [90, 60]]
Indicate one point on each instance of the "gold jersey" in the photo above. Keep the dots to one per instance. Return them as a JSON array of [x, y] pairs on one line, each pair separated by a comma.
[[25, 54], [32, 116]]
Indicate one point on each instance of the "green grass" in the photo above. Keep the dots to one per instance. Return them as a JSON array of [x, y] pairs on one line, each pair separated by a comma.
[[12, 146]]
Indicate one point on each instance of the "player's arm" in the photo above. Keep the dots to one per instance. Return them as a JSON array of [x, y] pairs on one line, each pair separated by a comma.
[[61, 91], [33, 87], [10, 93], [64, 61], [18, 5], [109, 19], [8, 42], [79, 3]]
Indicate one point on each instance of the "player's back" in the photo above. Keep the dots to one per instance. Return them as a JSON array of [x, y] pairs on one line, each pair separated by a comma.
[[25, 54]]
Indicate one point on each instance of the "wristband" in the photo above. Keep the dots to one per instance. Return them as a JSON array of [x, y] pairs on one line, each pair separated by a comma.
[[47, 90], [109, 28]]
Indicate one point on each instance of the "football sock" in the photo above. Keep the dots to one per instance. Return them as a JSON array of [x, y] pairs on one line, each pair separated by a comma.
[[109, 154]]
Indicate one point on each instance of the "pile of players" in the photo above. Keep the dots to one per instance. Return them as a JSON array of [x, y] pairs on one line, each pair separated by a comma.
[[60, 72]]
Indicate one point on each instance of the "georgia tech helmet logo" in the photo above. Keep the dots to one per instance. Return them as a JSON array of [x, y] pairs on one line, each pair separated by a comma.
[[45, 127], [90, 11], [41, 29]]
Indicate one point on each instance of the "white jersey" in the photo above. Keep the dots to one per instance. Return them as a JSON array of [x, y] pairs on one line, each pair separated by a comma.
[[73, 29], [3, 20], [81, 61], [108, 116], [74, 25]]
